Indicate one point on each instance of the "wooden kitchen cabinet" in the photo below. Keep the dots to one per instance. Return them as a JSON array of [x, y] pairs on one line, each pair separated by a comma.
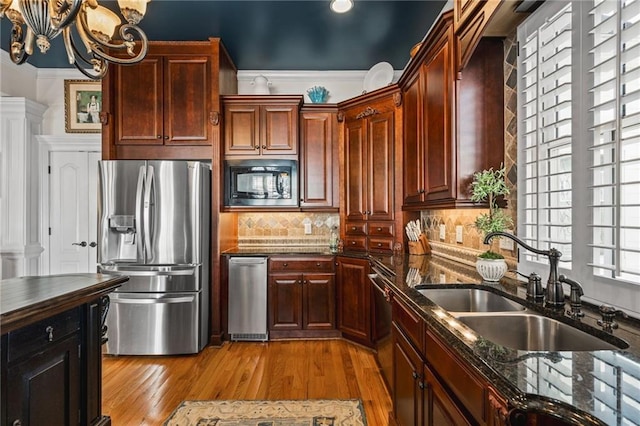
[[453, 126], [167, 106], [52, 369], [471, 18], [354, 299], [407, 375], [319, 162], [302, 296], [257, 126], [369, 138]]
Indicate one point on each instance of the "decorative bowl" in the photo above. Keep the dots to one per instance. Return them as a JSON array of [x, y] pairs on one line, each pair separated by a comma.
[[317, 94]]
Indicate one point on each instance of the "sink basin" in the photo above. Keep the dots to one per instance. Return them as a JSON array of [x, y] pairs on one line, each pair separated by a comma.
[[470, 300], [531, 332]]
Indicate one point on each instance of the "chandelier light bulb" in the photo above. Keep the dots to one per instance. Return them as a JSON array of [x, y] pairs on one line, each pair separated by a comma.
[[341, 6], [133, 10], [102, 22]]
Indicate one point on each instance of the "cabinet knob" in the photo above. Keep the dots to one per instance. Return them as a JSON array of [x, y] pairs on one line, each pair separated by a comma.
[[353, 228], [421, 385], [166, 137], [318, 264], [49, 331], [379, 229], [92, 244], [415, 375], [16, 422], [284, 265], [353, 243], [257, 147], [159, 137], [264, 147], [379, 244]]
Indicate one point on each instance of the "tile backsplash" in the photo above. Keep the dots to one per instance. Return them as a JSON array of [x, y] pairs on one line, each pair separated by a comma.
[[270, 228]]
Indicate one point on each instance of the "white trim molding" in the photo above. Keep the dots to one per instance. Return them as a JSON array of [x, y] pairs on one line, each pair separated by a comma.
[[21, 120]]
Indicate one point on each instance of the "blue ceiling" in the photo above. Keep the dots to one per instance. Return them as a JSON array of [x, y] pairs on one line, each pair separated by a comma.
[[283, 35]]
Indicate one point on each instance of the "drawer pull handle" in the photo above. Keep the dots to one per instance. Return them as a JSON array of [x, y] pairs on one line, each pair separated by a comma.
[[49, 331], [285, 265], [353, 243], [379, 229], [353, 228], [379, 244], [318, 264], [16, 422]]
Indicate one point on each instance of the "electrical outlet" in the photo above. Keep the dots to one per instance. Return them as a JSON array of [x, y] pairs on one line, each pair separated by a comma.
[[307, 228], [443, 278], [506, 244], [459, 234], [443, 232]]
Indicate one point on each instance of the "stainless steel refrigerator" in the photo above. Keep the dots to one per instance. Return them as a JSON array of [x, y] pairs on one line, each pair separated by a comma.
[[154, 226]]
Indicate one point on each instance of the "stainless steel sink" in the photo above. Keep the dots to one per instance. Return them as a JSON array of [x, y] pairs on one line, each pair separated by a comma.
[[532, 332], [470, 300]]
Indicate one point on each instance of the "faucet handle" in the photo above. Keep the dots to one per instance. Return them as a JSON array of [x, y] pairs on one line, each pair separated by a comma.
[[608, 315]]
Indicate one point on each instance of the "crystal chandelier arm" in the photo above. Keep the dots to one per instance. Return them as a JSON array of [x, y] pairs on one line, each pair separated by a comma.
[[97, 46], [63, 12]]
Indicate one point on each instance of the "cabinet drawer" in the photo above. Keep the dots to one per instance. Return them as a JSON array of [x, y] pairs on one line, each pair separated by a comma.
[[380, 244], [356, 228], [458, 379], [36, 337], [381, 229], [355, 243], [299, 264], [408, 321]]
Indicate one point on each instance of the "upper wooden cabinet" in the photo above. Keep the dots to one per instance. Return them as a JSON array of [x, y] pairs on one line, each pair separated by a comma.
[[471, 18], [319, 163], [452, 127], [256, 126], [370, 132], [167, 106]]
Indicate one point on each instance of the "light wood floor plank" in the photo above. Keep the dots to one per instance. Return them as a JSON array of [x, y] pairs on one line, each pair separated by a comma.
[[146, 390]]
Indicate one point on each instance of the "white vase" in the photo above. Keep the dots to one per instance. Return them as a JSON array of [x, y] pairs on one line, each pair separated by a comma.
[[261, 85], [491, 269]]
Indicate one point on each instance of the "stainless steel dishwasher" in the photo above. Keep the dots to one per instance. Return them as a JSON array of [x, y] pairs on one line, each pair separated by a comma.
[[248, 298]]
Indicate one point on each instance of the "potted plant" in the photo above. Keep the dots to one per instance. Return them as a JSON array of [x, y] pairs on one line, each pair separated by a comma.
[[487, 186]]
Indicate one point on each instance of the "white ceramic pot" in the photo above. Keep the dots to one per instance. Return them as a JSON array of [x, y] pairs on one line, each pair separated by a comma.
[[491, 269], [261, 85]]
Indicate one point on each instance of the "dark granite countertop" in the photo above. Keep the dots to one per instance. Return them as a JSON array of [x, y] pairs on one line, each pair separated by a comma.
[[582, 388], [26, 300]]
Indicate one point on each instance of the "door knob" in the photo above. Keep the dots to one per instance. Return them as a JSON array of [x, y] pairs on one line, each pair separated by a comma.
[[93, 244], [81, 244]]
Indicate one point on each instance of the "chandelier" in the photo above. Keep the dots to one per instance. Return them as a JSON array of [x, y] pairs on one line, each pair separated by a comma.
[[95, 25]]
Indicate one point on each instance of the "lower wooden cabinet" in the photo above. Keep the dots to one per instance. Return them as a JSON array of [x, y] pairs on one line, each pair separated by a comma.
[[301, 296], [354, 299], [52, 370]]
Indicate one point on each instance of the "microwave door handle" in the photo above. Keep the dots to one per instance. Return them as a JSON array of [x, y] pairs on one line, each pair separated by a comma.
[[140, 187], [148, 205]]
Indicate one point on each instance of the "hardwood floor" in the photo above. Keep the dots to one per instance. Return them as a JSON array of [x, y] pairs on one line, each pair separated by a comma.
[[145, 390]]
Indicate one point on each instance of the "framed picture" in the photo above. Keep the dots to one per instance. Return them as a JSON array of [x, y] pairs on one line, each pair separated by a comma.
[[82, 106]]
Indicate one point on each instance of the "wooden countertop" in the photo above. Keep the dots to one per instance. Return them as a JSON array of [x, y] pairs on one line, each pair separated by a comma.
[[26, 300]]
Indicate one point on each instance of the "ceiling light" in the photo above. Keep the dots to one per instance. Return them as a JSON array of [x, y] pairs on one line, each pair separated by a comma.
[[40, 21], [341, 6]]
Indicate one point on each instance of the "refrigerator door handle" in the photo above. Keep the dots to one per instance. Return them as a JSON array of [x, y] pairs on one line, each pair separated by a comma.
[[148, 201], [152, 301], [148, 271], [138, 214]]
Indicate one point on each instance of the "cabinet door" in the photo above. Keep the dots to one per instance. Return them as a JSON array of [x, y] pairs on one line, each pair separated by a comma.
[[355, 166], [439, 409], [285, 302], [317, 148], [46, 386], [413, 143], [279, 129], [407, 370], [438, 77], [241, 129], [187, 91], [319, 302], [139, 102], [354, 299], [380, 166]]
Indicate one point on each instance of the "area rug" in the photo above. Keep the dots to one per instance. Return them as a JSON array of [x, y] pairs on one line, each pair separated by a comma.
[[313, 412]]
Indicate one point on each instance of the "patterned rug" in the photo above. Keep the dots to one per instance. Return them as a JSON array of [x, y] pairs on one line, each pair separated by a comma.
[[314, 412]]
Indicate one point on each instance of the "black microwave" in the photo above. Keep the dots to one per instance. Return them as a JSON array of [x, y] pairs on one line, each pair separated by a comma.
[[261, 183]]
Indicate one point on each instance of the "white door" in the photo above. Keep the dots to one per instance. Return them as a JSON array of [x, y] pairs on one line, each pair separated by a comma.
[[73, 215]]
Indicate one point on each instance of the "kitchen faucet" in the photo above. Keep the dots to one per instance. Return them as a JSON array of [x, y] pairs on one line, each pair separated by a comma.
[[555, 293]]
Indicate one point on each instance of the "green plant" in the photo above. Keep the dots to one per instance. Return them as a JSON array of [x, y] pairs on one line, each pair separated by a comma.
[[488, 186]]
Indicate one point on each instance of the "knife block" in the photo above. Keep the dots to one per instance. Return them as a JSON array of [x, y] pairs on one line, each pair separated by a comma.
[[420, 247]]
